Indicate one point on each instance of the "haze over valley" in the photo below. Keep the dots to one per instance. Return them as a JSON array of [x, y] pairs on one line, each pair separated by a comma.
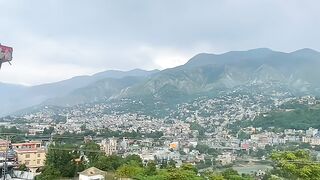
[[160, 90], [202, 75]]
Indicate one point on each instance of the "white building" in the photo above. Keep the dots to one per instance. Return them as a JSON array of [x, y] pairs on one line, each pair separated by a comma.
[[109, 146], [311, 132], [92, 174], [124, 144], [226, 158]]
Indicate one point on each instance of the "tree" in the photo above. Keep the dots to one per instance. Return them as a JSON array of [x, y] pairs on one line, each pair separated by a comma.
[[134, 158], [202, 148], [14, 139], [243, 135], [83, 127], [215, 176], [23, 167], [108, 163], [296, 165], [92, 151], [151, 168], [229, 172], [213, 152], [182, 153], [172, 163], [164, 164], [305, 146], [129, 171], [186, 173], [61, 160], [48, 131], [189, 167], [232, 174], [49, 173], [198, 127]]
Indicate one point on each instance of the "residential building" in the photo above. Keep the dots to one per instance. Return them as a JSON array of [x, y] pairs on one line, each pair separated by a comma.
[[27, 145], [311, 132], [32, 158], [226, 158], [109, 146], [31, 154], [93, 174], [4, 145]]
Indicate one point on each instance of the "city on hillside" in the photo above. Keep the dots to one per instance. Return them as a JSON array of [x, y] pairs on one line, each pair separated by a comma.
[[159, 90]]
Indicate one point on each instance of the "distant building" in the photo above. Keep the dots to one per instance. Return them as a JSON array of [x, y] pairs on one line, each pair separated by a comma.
[[289, 131], [35, 131], [311, 132], [4, 145], [109, 146], [87, 139], [186, 150], [312, 140], [260, 173], [174, 145], [226, 158], [124, 144], [245, 146]]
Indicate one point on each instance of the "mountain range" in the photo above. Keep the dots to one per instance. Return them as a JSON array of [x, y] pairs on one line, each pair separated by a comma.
[[203, 74], [17, 97]]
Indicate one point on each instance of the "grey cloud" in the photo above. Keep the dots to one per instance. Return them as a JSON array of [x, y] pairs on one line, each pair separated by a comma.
[[82, 36]]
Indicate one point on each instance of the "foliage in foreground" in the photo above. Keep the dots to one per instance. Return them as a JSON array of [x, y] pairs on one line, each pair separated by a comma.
[[61, 163], [296, 165]]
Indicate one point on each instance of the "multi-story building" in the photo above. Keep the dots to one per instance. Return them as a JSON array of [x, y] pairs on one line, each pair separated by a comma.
[[109, 146], [311, 132], [4, 145], [27, 145], [31, 154], [124, 144], [226, 158]]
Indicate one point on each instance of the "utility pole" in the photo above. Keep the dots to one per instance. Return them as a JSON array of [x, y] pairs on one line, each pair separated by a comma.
[[4, 169]]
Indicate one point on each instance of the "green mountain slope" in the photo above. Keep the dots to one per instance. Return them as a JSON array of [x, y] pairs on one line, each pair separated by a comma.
[[206, 73]]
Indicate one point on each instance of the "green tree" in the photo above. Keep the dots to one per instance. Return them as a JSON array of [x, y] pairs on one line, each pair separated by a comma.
[[23, 167], [92, 151], [48, 131], [213, 152], [108, 163], [134, 158], [198, 127], [232, 174], [229, 172], [172, 163], [60, 158], [164, 164], [182, 152], [129, 171], [49, 173], [242, 135], [183, 173], [151, 168], [189, 167], [296, 165], [216, 176], [202, 148]]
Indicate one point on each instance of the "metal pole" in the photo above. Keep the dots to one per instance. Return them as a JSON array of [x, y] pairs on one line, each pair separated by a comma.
[[5, 159]]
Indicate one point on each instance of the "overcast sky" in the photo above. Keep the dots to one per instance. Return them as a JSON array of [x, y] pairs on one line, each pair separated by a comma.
[[58, 39]]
